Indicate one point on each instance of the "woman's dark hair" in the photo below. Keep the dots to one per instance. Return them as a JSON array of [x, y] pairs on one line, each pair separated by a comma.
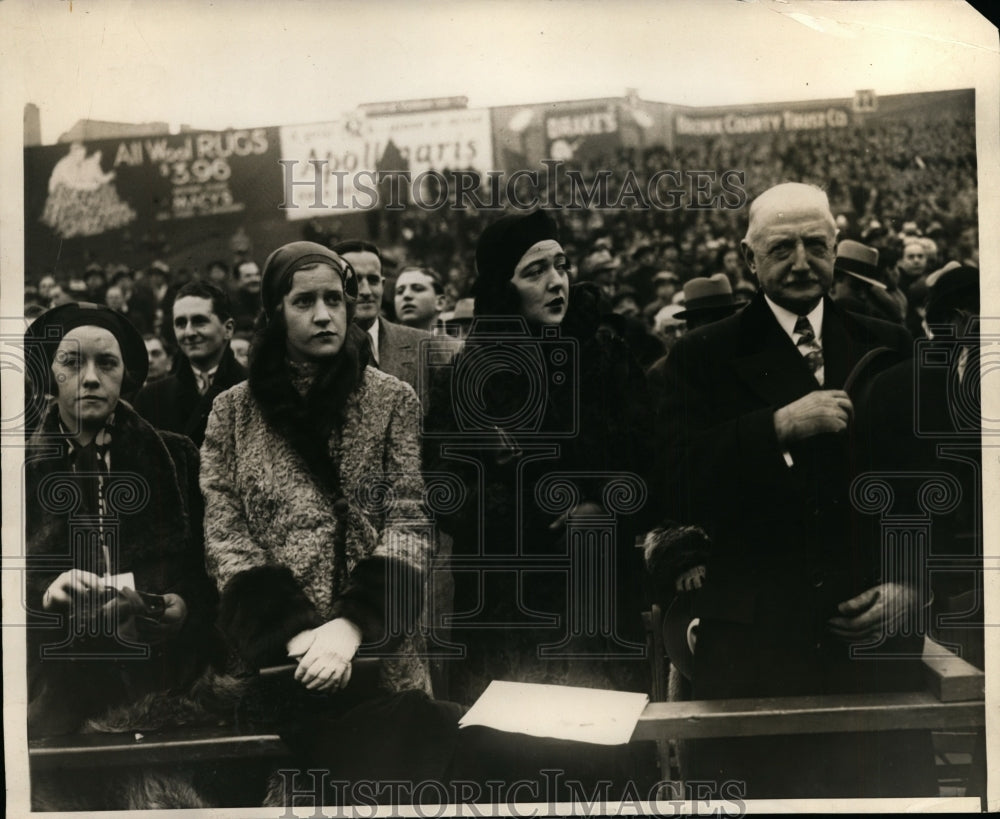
[[306, 422]]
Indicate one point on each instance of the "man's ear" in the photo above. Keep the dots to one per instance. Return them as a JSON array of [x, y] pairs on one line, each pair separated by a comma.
[[748, 256], [229, 325], [439, 303]]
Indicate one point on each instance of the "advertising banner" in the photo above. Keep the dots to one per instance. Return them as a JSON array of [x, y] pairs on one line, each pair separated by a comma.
[[86, 189], [582, 133], [340, 160], [742, 123]]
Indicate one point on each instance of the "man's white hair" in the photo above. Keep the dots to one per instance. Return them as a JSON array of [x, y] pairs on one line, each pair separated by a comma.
[[788, 195]]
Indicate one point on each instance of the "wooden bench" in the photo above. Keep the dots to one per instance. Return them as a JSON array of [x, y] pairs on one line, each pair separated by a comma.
[[954, 699], [185, 744], [702, 719], [178, 745]]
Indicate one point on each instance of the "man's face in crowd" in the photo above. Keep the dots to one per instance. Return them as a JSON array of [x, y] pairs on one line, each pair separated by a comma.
[[790, 245], [626, 307], [541, 278], [159, 361], [417, 304], [57, 296], [201, 334], [665, 289], [114, 298], [914, 260], [370, 286], [248, 277]]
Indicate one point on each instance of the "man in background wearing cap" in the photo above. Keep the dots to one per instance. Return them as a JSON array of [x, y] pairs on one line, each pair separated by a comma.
[[204, 365], [395, 348], [755, 447]]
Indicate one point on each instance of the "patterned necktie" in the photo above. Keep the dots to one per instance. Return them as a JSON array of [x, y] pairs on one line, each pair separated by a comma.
[[204, 381], [808, 345]]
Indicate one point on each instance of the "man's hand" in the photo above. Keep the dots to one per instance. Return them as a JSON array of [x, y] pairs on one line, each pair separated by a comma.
[[818, 412], [326, 664], [875, 612]]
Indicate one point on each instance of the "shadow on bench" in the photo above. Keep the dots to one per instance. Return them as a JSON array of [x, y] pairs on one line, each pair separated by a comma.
[[172, 746]]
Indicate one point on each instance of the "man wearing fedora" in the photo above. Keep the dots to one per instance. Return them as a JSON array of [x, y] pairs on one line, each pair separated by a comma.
[[857, 286], [756, 441], [708, 299]]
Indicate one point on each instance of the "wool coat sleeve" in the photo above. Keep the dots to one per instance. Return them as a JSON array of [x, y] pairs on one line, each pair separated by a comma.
[[384, 593], [262, 605], [229, 546]]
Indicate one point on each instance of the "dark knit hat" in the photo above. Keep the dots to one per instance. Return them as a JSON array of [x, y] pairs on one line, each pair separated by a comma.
[[43, 336], [283, 262], [500, 248]]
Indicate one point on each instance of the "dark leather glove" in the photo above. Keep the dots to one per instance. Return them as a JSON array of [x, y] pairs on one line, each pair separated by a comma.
[[157, 625]]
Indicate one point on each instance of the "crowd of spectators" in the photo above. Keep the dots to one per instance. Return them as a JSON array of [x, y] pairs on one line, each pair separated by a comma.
[[903, 195], [894, 182]]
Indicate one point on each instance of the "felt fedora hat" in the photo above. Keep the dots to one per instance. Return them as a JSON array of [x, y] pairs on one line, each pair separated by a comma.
[[708, 294], [860, 261]]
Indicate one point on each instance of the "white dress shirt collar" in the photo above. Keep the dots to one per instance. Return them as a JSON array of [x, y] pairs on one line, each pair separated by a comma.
[[787, 319]]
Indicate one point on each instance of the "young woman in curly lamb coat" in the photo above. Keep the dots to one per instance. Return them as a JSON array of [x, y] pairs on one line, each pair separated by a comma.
[[315, 528]]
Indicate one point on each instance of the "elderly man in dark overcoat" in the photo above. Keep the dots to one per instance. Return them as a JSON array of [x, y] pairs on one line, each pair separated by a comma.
[[755, 439]]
